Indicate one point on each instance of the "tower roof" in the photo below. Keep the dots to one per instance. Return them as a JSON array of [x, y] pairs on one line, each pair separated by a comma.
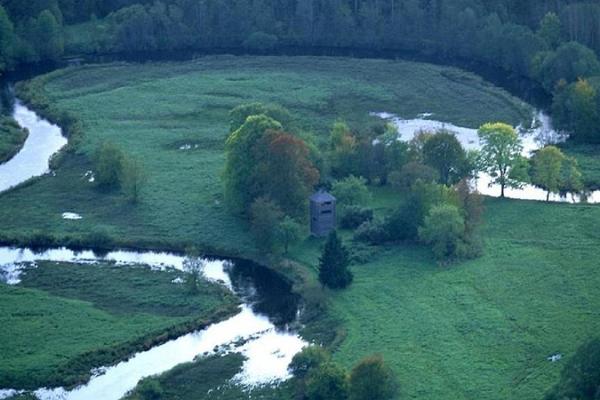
[[322, 196]]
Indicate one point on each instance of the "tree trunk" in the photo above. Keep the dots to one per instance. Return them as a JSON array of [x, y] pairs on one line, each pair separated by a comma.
[[502, 190], [548, 196]]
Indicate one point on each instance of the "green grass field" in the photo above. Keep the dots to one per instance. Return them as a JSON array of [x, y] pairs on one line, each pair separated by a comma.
[[477, 330], [64, 319], [151, 110], [11, 138], [481, 329]]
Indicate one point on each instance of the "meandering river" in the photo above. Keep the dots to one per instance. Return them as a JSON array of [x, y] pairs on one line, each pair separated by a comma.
[[269, 312], [263, 330]]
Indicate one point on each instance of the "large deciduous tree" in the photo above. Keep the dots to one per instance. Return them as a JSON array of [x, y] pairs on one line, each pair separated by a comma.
[[547, 169], [443, 152], [500, 152], [264, 161]]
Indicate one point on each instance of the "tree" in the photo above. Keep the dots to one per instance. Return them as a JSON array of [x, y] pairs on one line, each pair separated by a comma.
[[243, 147], [343, 145], [333, 264], [351, 191], [443, 228], [284, 172], [500, 151], [133, 179], [49, 37], [328, 382], [580, 377], [547, 169], [264, 161], [550, 30], [371, 379], [108, 161], [443, 152], [310, 358], [193, 265], [569, 62], [289, 231], [149, 389], [412, 173], [571, 178], [575, 109], [7, 40], [239, 114], [265, 219]]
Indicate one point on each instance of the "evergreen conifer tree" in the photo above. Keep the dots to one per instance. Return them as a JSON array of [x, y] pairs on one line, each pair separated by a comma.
[[333, 264]]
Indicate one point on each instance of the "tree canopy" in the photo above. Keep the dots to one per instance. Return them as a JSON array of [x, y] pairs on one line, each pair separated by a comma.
[[500, 152]]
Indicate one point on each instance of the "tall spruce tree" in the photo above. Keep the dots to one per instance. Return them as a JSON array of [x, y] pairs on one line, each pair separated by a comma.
[[333, 264]]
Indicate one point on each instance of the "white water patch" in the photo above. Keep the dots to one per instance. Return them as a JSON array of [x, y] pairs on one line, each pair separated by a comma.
[[188, 146], [268, 350], [71, 216], [267, 358], [89, 175], [43, 141], [541, 134], [8, 393]]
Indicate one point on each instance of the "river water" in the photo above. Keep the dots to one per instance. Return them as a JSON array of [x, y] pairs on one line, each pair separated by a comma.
[[43, 141], [263, 330]]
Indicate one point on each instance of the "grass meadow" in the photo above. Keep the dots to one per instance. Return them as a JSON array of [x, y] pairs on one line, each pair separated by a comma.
[[152, 110], [477, 330], [64, 319]]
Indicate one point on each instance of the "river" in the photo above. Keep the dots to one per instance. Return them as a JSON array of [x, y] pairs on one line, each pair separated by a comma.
[[264, 330], [44, 140]]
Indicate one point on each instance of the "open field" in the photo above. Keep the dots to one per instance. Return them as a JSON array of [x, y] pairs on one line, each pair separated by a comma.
[[64, 319], [151, 110], [481, 329], [477, 330]]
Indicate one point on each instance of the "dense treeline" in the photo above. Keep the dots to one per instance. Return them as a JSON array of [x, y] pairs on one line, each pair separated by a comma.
[[552, 42]]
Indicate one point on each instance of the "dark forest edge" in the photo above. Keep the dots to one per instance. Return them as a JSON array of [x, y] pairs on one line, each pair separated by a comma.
[[555, 45]]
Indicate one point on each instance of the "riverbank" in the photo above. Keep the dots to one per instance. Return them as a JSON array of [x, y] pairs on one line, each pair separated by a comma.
[[65, 319], [12, 138]]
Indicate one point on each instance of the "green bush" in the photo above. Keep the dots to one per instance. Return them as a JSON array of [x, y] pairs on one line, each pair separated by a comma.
[[372, 232], [371, 379], [352, 217], [328, 382], [109, 162]]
